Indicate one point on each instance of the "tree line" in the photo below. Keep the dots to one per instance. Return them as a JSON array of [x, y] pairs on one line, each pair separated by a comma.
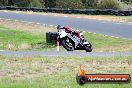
[[69, 4]]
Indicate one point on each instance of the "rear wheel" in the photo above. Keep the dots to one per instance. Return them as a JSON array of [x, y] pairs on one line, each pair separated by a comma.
[[68, 44], [88, 47]]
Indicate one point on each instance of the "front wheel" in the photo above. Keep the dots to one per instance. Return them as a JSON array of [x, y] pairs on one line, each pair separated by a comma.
[[68, 44], [88, 47]]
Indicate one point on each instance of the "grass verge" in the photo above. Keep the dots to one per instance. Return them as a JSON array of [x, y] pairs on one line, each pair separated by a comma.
[[108, 44], [59, 72], [16, 39]]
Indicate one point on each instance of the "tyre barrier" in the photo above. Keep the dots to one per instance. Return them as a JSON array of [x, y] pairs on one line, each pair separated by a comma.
[[73, 11], [54, 38], [48, 37], [51, 37]]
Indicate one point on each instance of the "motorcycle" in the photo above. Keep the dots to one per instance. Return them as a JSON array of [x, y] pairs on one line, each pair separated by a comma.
[[73, 40]]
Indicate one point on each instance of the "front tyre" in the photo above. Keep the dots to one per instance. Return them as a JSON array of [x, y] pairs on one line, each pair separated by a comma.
[[67, 44], [88, 47]]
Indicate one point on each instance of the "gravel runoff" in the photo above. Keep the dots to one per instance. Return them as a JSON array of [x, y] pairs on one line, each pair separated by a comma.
[[64, 53]]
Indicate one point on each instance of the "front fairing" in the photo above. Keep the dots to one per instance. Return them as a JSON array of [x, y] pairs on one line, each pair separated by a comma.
[[62, 33]]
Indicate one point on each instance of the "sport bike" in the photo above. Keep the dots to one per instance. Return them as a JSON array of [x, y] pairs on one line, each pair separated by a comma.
[[72, 40]]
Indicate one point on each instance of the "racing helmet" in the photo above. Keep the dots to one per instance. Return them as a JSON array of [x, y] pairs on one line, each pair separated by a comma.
[[60, 27]]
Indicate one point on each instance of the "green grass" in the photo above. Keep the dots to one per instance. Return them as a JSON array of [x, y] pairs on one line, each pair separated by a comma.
[[19, 39], [62, 71], [107, 43]]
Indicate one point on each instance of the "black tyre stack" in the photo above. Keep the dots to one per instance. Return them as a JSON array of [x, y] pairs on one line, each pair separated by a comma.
[[48, 37], [51, 37]]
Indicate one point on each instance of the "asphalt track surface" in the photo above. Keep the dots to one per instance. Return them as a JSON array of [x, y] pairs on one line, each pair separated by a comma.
[[116, 29], [61, 54]]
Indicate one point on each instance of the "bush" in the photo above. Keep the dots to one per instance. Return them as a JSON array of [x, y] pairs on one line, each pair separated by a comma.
[[89, 3], [3, 2], [19, 3], [37, 3], [71, 4], [109, 4], [22, 3]]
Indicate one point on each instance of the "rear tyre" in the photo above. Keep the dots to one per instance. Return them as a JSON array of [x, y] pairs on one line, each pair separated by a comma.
[[67, 44], [88, 47]]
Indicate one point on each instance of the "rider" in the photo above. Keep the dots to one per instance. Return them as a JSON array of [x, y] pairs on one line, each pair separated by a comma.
[[66, 28], [70, 30]]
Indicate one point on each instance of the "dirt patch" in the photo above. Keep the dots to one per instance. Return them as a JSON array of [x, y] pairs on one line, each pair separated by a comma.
[[19, 68], [16, 69], [23, 46]]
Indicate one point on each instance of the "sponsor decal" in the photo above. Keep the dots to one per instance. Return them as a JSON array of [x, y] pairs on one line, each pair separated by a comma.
[[83, 78]]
